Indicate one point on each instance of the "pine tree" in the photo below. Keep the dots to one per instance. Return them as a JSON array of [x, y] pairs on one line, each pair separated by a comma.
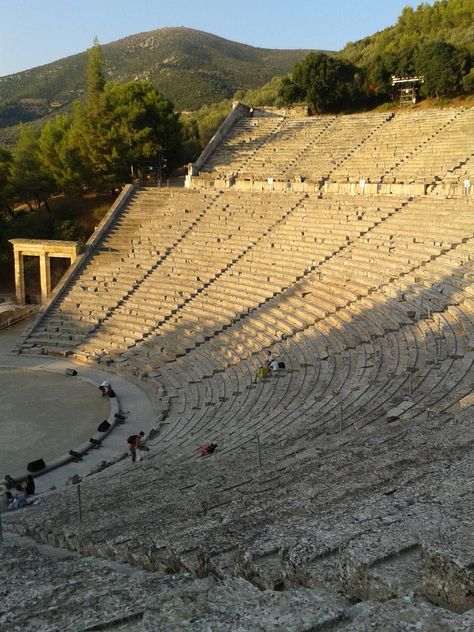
[[6, 187], [30, 180], [95, 80]]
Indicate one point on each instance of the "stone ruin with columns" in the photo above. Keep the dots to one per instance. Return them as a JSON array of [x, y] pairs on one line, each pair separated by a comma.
[[341, 493]]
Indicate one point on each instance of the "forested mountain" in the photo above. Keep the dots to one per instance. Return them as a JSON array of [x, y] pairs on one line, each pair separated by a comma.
[[450, 21], [434, 42], [190, 67]]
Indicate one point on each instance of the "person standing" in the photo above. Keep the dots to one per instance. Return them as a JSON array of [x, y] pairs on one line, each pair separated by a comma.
[[29, 485], [134, 442]]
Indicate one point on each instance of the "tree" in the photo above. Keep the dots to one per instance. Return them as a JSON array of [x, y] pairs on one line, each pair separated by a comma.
[[136, 125], [140, 125], [6, 186], [95, 80], [118, 126], [31, 182], [468, 82], [85, 138], [324, 82], [442, 66], [60, 156], [290, 92]]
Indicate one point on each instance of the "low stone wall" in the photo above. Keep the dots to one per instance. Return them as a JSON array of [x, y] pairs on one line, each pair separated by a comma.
[[238, 111], [9, 317], [215, 181]]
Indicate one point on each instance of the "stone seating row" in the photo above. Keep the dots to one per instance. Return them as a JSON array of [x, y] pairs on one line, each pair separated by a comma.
[[401, 136], [233, 289], [86, 295], [243, 140], [408, 360], [124, 337], [361, 259], [351, 147], [259, 404], [340, 139], [452, 146], [216, 257], [293, 133], [231, 483]]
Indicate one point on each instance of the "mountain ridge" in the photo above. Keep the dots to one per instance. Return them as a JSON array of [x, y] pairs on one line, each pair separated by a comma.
[[191, 67]]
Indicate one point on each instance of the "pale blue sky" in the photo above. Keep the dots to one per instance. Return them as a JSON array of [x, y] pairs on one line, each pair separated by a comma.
[[35, 32]]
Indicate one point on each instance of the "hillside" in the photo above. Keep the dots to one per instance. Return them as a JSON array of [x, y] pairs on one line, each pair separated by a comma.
[[451, 21], [190, 67]]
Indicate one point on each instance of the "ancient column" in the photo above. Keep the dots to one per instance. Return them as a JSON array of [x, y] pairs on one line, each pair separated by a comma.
[[45, 276], [19, 277]]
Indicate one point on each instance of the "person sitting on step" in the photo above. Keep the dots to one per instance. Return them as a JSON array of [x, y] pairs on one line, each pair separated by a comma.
[[205, 450], [105, 388]]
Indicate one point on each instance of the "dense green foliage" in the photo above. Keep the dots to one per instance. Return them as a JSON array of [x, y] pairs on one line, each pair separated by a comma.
[[129, 124], [70, 218], [7, 195], [442, 66], [395, 49], [268, 94], [326, 83], [200, 126], [434, 41], [451, 21], [31, 181]]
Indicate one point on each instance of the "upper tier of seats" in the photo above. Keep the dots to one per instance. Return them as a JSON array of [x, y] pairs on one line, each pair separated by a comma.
[[403, 147]]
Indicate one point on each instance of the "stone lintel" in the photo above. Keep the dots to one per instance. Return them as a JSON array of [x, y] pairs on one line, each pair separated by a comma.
[[51, 247]]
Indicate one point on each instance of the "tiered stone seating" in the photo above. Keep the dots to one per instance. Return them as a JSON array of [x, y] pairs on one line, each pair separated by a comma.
[[245, 138], [343, 474], [124, 258], [414, 146], [285, 147], [376, 532], [442, 157], [392, 144], [339, 140], [310, 234], [213, 246]]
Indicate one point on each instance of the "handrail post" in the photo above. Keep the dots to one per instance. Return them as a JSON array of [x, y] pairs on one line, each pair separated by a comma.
[[79, 503], [259, 452]]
